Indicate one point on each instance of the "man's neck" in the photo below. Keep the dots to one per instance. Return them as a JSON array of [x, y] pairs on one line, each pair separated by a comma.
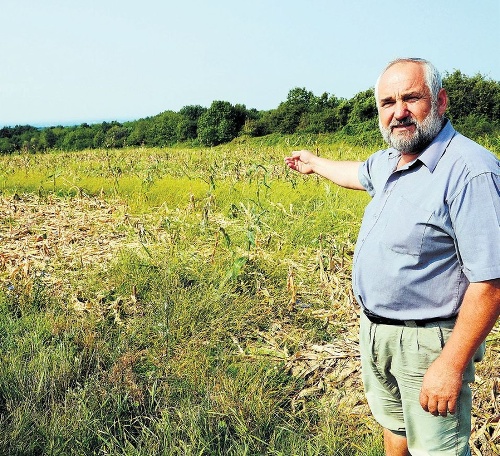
[[406, 158]]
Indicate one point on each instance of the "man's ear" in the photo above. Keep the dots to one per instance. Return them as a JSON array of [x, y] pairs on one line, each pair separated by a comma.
[[442, 101]]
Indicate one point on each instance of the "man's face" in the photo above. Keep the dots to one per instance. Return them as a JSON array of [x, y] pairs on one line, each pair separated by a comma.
[[408, 118]]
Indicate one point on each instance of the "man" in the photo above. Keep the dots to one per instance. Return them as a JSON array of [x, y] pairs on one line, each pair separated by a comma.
[[426, 265]]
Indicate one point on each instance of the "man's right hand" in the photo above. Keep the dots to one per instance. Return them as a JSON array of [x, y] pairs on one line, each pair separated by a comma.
[[300, 161], [343, 173]]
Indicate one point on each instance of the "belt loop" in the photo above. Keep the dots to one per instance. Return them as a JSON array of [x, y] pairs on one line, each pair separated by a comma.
[[411, 323]]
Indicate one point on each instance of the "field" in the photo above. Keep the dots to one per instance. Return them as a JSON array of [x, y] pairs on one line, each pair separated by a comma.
[[187, 302]]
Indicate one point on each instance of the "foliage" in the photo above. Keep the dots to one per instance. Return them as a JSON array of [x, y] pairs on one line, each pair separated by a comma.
[[363, 107], [287, 117], [474, 109], [472, 96], [162, 129], [220, 123], [187, 127]]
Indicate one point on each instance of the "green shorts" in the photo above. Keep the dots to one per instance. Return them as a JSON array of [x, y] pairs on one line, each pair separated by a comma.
[[394, 360]]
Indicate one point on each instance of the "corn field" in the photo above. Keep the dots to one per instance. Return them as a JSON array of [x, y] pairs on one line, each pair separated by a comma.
[[187, 301]]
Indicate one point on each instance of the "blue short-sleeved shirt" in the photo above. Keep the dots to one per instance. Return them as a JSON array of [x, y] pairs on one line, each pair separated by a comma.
[[431, 228]]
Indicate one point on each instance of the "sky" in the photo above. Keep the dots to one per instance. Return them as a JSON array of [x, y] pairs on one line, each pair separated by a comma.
[[65, 62]]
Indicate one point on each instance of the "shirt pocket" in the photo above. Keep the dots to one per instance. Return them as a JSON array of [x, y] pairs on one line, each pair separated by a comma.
[[406, 227]]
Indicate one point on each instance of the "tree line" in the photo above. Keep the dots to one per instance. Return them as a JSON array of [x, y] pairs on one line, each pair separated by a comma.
[[474, 109]]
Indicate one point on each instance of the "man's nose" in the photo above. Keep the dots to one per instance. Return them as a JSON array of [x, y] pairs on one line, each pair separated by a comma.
[[401, 109]]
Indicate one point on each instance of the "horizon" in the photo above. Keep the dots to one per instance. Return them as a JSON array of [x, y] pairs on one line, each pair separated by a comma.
[[76, 122]]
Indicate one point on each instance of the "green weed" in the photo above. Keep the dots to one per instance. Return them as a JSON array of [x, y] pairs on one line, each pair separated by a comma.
[[166, 321]]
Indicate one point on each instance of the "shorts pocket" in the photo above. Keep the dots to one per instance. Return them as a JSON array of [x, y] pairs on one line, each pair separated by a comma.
[[431, 341]]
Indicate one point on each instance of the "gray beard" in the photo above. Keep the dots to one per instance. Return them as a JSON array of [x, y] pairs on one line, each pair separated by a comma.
[[424, 133]]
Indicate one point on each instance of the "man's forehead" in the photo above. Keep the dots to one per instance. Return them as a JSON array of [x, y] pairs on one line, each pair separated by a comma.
[[402, 77]]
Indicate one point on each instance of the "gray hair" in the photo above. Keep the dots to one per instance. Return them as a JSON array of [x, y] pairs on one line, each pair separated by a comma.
[[431, 74]]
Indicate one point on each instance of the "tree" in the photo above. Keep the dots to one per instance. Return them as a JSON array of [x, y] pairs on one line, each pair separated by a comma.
[[221, 123], [187, 128], [116, 136], [161, 130], [48, 138], [472, 95], [321, 116], [137, 136], [286, 118], [6, 146], [363, 107]]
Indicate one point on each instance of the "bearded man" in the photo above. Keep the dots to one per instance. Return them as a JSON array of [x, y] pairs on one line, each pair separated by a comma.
[[426, 269]]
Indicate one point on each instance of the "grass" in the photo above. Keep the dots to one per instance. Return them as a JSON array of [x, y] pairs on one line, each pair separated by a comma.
[[177, 301]]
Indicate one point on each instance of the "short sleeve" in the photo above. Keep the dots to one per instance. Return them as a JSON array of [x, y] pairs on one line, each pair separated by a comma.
[[475, 214], [365, 179]]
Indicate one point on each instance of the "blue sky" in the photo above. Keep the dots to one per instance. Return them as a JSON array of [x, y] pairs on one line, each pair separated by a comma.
[[68, 61]]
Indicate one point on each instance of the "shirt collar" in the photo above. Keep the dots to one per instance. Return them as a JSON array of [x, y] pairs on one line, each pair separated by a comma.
[[434, 151]]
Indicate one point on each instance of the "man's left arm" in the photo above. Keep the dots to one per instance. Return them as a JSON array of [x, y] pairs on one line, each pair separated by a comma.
[[443, 381]]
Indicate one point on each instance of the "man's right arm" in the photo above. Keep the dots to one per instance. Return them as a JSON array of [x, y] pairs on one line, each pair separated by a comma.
[[343, 173]]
